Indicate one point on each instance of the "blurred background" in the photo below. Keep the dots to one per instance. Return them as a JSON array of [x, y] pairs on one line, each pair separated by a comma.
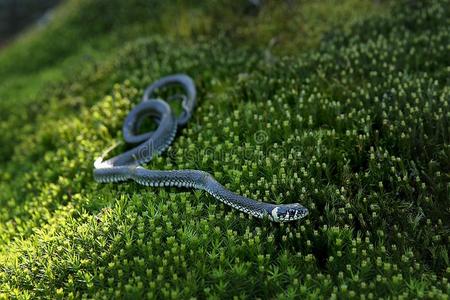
[[17, 14]]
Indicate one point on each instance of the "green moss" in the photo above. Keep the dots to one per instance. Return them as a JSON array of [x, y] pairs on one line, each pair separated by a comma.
[[351, 119]]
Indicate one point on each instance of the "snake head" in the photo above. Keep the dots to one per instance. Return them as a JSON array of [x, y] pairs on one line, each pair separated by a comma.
[[287, 212]]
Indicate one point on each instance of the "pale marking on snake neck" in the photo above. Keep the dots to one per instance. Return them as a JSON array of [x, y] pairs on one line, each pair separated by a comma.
[[274, 214]]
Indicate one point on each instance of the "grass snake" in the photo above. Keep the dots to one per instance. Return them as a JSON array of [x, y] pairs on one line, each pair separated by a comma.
[[128, 165]]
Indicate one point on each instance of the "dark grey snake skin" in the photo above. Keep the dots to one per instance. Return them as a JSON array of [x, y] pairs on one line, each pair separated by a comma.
[[127, 165]]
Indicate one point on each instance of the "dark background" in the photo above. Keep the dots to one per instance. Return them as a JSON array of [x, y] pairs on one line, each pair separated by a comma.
[[17, 14]]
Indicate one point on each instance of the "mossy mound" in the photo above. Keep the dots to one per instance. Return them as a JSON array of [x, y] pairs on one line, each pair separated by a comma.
[[354, 125]]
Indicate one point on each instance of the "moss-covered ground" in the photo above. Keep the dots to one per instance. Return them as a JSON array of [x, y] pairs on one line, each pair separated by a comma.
[[343, 106]]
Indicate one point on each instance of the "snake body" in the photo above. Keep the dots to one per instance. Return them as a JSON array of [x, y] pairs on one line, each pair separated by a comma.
[[127, 166]]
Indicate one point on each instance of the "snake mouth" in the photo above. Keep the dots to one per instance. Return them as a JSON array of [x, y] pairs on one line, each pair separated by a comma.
[[288, 212]]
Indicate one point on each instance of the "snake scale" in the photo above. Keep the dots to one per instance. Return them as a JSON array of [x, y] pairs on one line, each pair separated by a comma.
[[127, 166]]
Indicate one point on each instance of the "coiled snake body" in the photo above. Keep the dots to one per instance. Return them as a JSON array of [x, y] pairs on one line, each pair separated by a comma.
[[127, 166]]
